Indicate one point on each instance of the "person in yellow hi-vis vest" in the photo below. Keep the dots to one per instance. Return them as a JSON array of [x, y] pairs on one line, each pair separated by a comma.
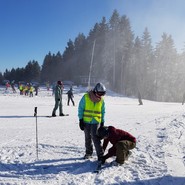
[[31, 90], [91, 111], [21, 89]]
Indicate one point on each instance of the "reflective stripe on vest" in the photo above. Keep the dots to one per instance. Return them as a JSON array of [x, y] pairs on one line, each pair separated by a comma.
[[92, 110]]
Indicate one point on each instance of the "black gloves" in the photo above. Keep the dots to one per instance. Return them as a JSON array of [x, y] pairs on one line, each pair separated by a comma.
[[81, 124], [103, 159], [59, 99]]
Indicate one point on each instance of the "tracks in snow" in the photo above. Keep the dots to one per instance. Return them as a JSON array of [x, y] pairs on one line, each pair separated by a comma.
[[154, 156]]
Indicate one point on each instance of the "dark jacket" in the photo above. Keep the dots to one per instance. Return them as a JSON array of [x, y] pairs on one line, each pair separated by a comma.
[[70, 93], [116, 135], [58, 92]]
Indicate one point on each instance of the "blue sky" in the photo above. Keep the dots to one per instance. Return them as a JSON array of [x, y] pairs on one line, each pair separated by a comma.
[[29, 29]]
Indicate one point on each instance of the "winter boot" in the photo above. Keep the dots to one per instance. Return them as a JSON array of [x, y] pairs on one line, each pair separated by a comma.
[[53, 115], [87, 156]]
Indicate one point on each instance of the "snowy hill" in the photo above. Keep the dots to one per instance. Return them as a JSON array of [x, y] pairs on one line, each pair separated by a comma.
[[158, 159]]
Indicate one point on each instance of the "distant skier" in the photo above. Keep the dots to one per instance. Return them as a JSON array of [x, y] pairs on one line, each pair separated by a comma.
[[26, 89], [31, 89], [7, 86], [13, 86], [58, 99], [121, 140], [91, 111], [70, 96], [21, 88]]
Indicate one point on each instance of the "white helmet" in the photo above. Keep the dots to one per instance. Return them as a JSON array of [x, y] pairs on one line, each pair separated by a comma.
[[100, 89]]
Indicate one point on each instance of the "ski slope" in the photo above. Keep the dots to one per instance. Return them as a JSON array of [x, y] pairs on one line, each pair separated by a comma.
[[158, 159]]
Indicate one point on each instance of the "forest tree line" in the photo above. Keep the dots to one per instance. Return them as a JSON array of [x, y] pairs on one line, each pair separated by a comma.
[[128, 64]]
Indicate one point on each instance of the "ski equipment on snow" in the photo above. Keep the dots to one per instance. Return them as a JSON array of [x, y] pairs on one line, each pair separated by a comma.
[[57, 116]]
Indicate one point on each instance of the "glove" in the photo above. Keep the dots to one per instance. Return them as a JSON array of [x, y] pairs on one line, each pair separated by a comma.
[[102, 124], [103, 159], [59, 99], [81, 124]]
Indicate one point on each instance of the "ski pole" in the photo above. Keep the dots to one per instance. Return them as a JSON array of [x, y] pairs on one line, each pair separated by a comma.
[[35, 115]]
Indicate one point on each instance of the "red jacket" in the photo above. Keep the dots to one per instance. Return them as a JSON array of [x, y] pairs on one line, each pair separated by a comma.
[[116, 135]]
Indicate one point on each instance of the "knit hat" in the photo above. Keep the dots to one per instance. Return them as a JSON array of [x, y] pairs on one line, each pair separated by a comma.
[[59, 82], [103, 132]]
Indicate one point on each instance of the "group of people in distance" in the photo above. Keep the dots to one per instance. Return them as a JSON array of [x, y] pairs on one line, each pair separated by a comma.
[[91, 114], [24, 89]]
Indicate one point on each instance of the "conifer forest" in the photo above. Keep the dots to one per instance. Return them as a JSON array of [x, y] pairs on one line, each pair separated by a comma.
[[126, 63]]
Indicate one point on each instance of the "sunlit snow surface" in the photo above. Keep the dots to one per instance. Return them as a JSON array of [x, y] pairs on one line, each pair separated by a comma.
[[158, 159]]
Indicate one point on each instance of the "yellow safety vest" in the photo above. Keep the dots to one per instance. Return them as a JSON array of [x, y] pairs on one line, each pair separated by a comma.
[[31, 89], [92, 110], [20, 87]]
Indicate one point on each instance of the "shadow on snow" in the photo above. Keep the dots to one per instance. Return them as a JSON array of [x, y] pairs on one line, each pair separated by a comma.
[[47, 169]]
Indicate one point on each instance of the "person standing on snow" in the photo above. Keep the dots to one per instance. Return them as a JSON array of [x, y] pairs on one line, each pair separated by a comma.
[[36, 87], [70, 96], [121, 140], [13, 86], [58, 99], [21, 89], [7, 86], [91, 111], [31, 89]]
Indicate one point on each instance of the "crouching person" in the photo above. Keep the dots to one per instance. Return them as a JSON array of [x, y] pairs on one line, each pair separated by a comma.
[[121, 140]]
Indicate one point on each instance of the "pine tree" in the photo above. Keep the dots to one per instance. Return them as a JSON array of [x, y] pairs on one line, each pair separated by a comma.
[[166, 56], [114, 38], [147, 63], [124, 54]]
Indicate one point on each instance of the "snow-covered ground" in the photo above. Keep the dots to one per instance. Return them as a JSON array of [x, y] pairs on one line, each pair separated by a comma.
[[158, 159]]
